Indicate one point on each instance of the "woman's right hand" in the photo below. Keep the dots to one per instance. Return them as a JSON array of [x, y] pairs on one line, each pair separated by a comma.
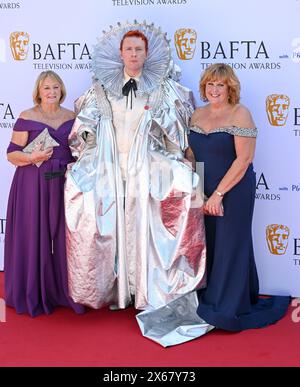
[[39, 155], [214, 206]]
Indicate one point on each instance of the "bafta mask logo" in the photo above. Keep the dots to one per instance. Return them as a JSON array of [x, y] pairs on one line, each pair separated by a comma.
[[277, 106], [185, 43], [19, 44], [277, 238]]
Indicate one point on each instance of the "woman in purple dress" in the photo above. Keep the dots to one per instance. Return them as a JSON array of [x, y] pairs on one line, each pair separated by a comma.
[[35, 252]]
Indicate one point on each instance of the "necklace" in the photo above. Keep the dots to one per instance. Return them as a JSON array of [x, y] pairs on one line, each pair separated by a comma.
[[55, 117]]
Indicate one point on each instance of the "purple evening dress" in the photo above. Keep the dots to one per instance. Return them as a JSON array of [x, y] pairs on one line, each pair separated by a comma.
[[35, 254]]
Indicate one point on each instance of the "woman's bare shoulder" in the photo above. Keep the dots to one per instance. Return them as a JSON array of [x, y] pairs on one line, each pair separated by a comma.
[[68, 114], [28, 114], [242, 117]]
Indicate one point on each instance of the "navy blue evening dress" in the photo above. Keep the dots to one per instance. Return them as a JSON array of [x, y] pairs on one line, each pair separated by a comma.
[[231, 300]]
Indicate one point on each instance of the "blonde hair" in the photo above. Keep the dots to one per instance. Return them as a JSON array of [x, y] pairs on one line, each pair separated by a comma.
[[221, 72], [43, 75]]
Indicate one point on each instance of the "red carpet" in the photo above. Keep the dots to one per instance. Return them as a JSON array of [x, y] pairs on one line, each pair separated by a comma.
[[113, 339]]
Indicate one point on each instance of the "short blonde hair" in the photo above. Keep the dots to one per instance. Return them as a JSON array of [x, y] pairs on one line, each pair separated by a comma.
[[43, 75], [224, 73]]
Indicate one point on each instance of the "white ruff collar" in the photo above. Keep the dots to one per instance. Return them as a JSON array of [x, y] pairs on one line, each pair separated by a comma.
[[108, 66]]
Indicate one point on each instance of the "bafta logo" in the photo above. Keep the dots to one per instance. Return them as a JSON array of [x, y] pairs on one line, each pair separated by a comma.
[[277, 106], [277, 236], [185, 43], [19, 44]]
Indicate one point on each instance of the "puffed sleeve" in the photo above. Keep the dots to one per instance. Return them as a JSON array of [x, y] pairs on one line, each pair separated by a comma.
[[174, 116], [83, 133]]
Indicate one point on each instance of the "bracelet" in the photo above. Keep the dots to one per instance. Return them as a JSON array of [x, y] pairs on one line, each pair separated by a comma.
[[219, 193], [29, 158]]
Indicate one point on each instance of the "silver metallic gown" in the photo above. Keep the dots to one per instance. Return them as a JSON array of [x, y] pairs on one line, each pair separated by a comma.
[[156, 222]]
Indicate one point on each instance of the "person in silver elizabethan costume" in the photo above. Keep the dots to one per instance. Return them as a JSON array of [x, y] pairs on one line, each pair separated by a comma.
[[134, 206]]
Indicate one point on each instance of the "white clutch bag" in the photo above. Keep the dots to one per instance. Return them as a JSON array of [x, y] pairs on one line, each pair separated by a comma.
[[42, 141]]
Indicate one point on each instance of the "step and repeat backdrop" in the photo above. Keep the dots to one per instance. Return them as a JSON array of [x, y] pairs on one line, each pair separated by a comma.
[[259, 39]]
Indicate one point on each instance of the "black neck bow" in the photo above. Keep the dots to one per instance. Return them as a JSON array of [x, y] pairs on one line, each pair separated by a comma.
[[129, 87]]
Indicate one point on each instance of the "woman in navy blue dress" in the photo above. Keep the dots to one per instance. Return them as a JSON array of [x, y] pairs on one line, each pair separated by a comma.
[[222, 135]]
